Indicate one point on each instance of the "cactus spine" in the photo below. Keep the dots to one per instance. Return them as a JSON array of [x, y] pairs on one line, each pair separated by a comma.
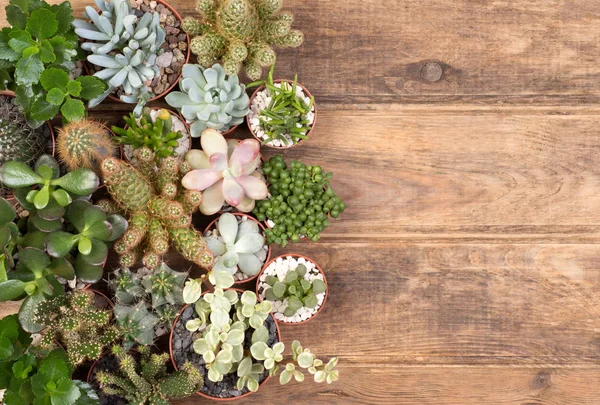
[[84, 143]]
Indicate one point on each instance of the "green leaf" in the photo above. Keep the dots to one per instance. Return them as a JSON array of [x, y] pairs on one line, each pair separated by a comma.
[[55, 365], [7, 212], [79, 181], [74, 88], [72, 109], [63, 268], [27, 313], [62, 197], [34, 259], [46, 172], [47, 52], [47, 160], [60, 243], [6, 52], [87, 273], [42, 198], [46, 225], [20, 40], [43, 110], [310, 301], [294, 303], [52, 211], [22, 4], [100, 230], [54, 78], [44, 286], [91, 87], [98, 253], [28, 70], [319, 286], [15, 16], [119, 226], [16, 174], [11, 289], [76, 214], [85, 246], [42, 23], [59, 45], [64, 16], [55, 96], [29, 51], [88, 395], [279, 289]]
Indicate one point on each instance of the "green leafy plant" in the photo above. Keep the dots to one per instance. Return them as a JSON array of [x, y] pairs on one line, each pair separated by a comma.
[[287, 116], [136, 324], [241, 32], [77, 325], [209, 98], [36, 54], [9, 232], [300, 203], [298, 291], [156, 134], [30, 378], [147, 382]]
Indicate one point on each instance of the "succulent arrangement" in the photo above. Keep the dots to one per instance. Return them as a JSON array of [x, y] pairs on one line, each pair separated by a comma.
[[84, 144], [156, 134], [226, 172], [239, 245], [147, 382], [36, 55], [301, 201], [123, 48], [241, 33], [210, 98], [77, 325]]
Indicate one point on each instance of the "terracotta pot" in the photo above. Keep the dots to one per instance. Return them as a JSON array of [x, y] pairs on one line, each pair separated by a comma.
[[241, 214], [175, 364], [294, 255], [9, 93], [187, 59], [96, 292], [230, 130], [261, 88], [173, 113]]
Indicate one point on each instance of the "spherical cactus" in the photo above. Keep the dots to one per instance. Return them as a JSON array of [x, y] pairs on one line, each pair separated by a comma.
[[84, 143]]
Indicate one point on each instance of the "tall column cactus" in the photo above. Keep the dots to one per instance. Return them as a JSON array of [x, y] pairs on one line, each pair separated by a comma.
[[241, 32], [160, 211]]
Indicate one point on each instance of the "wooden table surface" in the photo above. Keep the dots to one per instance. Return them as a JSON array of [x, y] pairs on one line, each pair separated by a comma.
[[464, 138]]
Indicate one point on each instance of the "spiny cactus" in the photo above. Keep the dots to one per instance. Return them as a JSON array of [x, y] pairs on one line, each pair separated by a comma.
[[136, 324], [241, 32], [159, 210], [147, 382], [74, 322], [84, 143]]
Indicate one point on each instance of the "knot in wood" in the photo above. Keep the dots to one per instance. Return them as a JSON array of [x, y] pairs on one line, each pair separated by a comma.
[[432, 71]]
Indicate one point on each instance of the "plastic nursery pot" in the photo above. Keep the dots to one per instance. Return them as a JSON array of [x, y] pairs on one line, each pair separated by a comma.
[[261, 88], [241, 214], [9, 93], [296, 256], [174, 114], [175, 364]]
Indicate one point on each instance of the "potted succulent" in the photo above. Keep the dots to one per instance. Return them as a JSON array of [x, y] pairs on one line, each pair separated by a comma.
[[282, 112], [300, 203], [18, 141], [39, 51], [238, 243], [34, 376], [159, 291], [138, 50], [240, 33], [141, 378], [161, 130], [226, 172], [209, 98], [296, 287], [235, 343]]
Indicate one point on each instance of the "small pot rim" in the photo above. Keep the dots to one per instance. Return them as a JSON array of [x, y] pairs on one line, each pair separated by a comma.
[[173, 113], [176, 82], [242, 214], [9, 93], [261, 88], [173, 357], [297, 255]]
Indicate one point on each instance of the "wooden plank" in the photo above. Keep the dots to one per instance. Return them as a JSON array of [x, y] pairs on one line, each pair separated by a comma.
[[425, 50], [396, 385]]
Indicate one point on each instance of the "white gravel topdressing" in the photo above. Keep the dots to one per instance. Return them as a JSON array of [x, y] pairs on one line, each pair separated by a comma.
[[260, 102], [184, 143], [280, 268], [262, 255]]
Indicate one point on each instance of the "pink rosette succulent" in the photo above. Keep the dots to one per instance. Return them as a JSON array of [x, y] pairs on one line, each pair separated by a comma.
[[226, 172]]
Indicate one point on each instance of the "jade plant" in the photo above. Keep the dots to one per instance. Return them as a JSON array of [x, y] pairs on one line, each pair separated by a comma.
[[241, 32], [29, 376], [238, 247], [301, 201], [209, 98], [123, 49], [9, 232], [77, 325], [226, 172], [84, 144], [298, 291], [156, 134], [159, 290], [224, 320], [147, 382], [36, 55]]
